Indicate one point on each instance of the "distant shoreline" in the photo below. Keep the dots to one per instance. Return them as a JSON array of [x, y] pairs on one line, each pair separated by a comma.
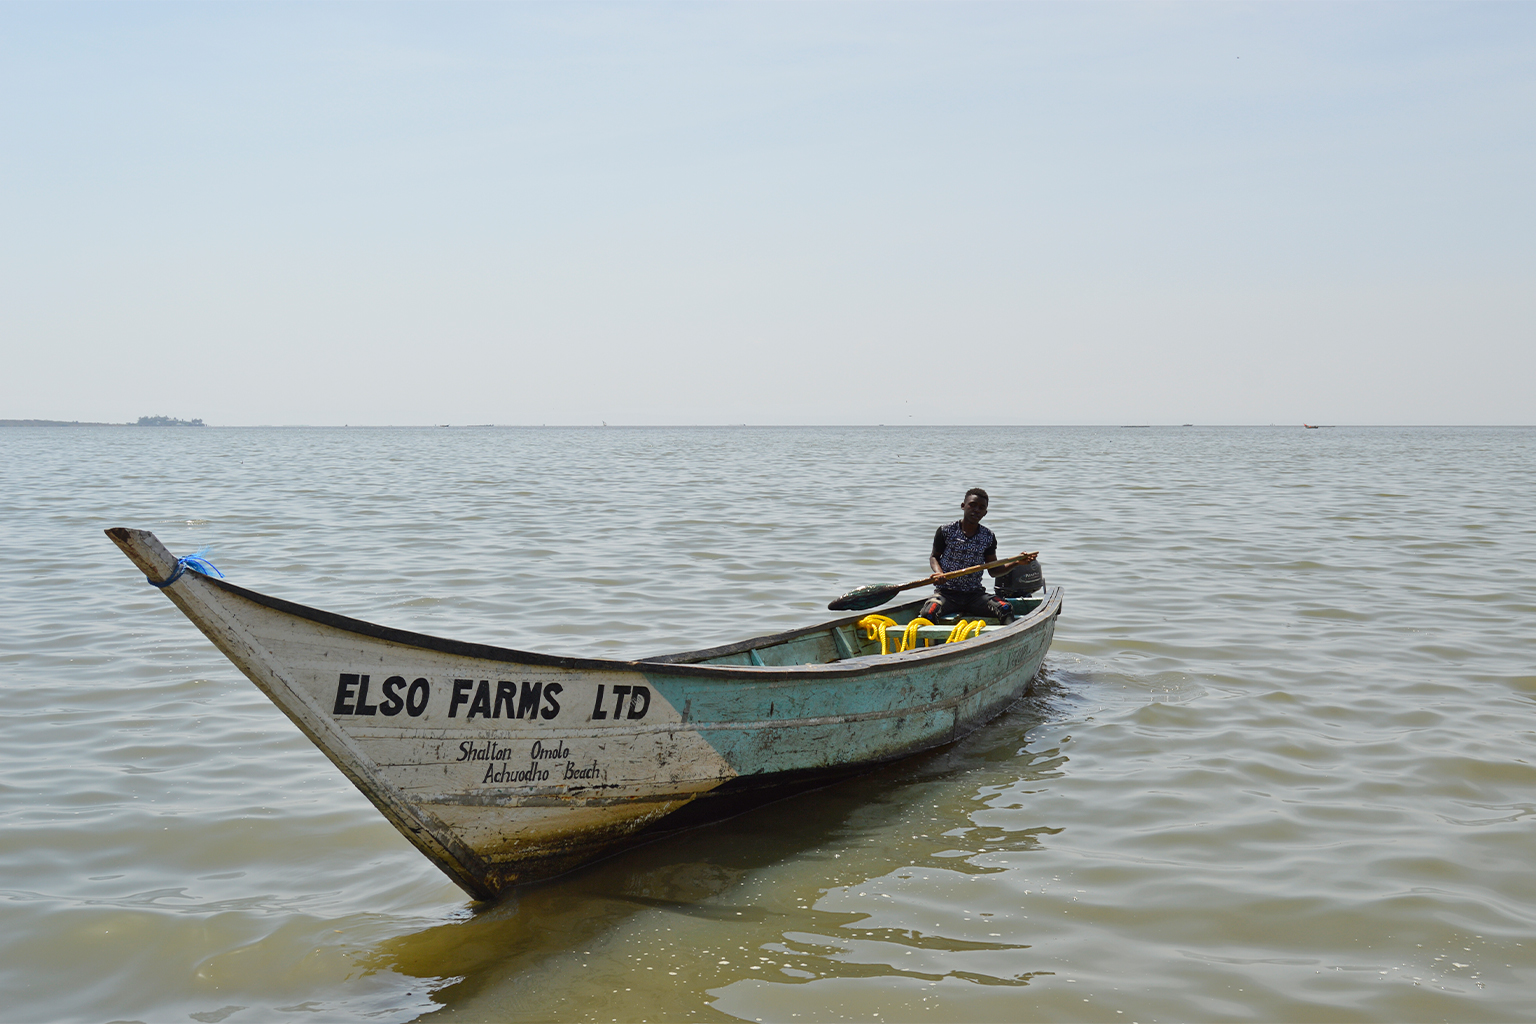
[[59, 423], [144, 421]]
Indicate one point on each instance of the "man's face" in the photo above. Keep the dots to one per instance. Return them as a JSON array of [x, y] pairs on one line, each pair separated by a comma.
[[973, 508]]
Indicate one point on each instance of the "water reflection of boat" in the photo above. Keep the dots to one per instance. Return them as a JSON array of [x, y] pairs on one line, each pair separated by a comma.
[[505, 767]]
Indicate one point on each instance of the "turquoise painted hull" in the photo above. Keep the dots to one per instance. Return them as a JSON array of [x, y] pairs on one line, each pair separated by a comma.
[[874, 708], [505, 766]]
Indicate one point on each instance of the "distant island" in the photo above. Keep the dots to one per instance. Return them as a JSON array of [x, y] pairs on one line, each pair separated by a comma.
[[144, 421], [168, 421]]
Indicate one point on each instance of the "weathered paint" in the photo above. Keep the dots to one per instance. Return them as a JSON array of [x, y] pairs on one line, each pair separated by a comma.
[[505, 766]]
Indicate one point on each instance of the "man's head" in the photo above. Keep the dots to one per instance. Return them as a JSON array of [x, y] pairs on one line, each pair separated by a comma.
[[974, 506]]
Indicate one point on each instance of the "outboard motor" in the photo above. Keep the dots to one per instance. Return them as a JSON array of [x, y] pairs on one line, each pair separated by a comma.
[[1020, 581]]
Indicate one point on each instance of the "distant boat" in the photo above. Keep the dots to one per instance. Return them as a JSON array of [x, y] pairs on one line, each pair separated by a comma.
[[505, 767], [1309, 426]]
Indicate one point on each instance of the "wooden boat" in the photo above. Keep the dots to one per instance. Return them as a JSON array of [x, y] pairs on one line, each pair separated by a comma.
[[506, 767]]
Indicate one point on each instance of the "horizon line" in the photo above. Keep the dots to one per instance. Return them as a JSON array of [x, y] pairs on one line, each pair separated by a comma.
[[717, 426]]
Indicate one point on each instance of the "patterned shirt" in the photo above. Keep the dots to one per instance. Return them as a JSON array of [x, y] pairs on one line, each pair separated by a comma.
[[955, 550]]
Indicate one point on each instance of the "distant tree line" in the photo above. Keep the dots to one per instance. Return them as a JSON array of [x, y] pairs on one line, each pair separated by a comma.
[[168, 421], [144, 421]]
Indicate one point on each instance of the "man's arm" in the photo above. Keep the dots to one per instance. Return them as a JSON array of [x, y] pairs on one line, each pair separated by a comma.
[[991, 556], [938, 549]]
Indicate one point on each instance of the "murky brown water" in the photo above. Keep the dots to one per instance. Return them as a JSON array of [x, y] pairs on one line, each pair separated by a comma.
[[1281, 767]]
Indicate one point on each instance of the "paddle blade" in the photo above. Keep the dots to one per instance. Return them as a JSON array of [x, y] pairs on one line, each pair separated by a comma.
[[865, 597]]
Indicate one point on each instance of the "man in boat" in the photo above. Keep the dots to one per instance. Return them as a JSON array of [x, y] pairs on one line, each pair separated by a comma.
[[960, 545]]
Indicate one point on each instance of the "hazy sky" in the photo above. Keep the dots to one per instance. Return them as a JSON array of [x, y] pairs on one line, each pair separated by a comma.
[[768, 213]]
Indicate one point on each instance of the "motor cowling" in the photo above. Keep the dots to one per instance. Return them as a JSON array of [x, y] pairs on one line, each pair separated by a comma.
[[1021, 580]]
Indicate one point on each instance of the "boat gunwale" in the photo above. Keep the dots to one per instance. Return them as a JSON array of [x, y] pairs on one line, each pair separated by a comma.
[[1049, 605]]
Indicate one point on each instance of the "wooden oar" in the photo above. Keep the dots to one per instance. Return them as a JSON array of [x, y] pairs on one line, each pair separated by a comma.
[[869, 597]]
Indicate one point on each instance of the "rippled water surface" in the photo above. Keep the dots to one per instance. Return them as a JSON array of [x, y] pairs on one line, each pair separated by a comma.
[[1279, 766]]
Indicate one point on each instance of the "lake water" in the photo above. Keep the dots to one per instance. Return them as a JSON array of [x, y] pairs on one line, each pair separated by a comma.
[[1279, 765]]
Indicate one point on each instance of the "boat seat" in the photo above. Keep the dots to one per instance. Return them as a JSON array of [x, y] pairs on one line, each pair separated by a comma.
[[1021, 606], [938, 633]]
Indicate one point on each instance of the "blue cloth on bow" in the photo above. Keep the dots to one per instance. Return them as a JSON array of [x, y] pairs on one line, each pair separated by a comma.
[[197, 560]]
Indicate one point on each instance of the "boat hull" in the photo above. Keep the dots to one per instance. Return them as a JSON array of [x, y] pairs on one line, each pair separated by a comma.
[[506, 767]]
